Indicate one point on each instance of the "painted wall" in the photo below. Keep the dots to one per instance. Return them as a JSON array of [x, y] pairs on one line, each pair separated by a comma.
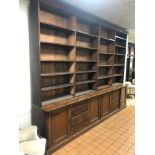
[[24, 96]]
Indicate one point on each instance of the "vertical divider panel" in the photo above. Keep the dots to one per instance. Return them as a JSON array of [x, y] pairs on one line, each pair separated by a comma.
[[98, 59], [74, 25], [113, 58]]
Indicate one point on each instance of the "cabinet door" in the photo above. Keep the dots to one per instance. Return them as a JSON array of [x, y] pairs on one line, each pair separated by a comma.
[[123, 97], [115, 100], [105, 104], [94, 109], [58, 125]]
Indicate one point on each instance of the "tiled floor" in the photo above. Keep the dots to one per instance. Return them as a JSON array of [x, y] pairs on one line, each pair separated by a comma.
[[114, 136]]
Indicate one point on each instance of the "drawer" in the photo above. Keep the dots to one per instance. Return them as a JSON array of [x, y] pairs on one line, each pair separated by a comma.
[[80, 118], [80, 126], [76, 110]]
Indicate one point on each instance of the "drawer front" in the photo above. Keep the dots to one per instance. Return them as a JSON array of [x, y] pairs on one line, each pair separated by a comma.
[[79, 109], [80, 118], [80, 126]]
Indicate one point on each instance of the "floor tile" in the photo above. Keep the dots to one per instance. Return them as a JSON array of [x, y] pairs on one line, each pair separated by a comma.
[[114, 136]]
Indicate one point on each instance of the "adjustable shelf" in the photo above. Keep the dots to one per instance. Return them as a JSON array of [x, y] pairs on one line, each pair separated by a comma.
[[117, 37], [86, 34], [107, 39], [104, 65], [46, 60], [56, 44], [56, 87], [120, 46], [87, 48], [55, 74], [118, 65], [83, 72], [104, 77], [106, 53], [104, 82], [86, 61], [114, 75], [53, 26], [84, 82], [84, 92]]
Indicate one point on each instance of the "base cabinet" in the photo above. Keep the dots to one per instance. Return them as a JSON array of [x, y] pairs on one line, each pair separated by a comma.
[[69, 121], [115, 100], [57, 125], [123, 97], [105, 104], [94, 109]]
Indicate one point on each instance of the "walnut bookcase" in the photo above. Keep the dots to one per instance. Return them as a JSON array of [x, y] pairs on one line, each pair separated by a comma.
[[74, 56]]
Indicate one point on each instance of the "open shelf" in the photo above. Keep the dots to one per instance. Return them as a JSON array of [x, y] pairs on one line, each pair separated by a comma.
[[104, 65], [106, 53], [117, 79], [57, 20], [84, 92], [83, 72], [55, 74], [87, 27], [56, 87], [56, 67], [86, 48], [107, 39], [85, 66], [86, 34], [107, 33], [56, 44], [53, 26], [59, 37], [84, 82], [86, 61], [104, 82], [46, 102], [118, 54], [118, 70], [106, 59], [120, 46], [104, 77], [106, 46], [86, 41], [105, 71], [121, 35], [117, 75], [119, 59], [118, 65], [56, 60], [117, 37], [104, 86]]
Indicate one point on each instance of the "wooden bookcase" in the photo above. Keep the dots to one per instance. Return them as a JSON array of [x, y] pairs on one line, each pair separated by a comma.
[[77, 60]]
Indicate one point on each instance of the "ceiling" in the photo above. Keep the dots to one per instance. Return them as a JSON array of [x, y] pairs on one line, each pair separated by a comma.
[[119, 12]]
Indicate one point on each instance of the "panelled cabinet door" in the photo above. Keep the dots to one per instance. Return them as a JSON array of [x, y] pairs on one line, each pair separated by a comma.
[[94, 109], [105, 104], [58, 126], [115, 100], [123, 97]]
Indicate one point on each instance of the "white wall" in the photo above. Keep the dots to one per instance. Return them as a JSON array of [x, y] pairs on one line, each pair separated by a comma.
[[24, 98]]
